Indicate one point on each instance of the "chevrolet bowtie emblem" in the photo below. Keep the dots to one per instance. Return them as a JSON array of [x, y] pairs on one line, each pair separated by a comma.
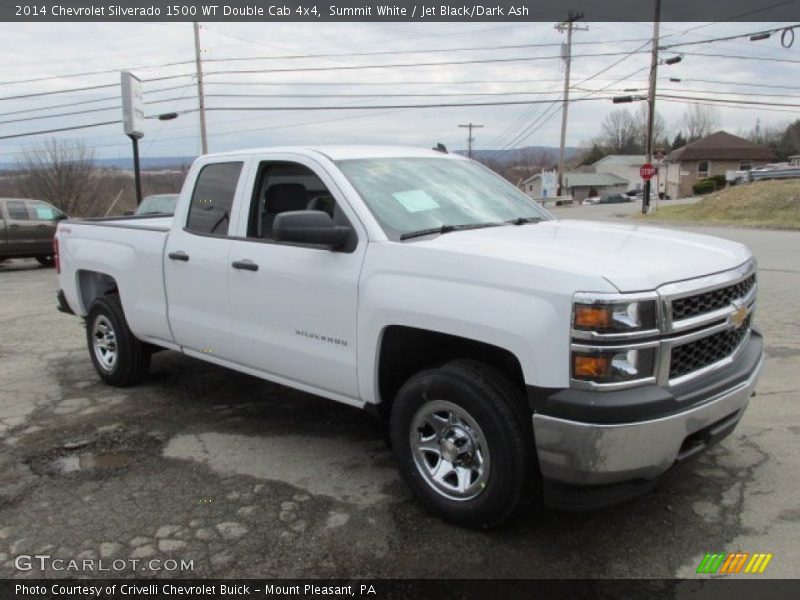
[[738, 316]]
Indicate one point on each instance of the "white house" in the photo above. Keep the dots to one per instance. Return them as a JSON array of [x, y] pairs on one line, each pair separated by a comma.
[[627, 167]]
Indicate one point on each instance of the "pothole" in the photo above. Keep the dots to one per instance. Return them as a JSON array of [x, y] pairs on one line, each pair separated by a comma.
[[105, 454], [90, 461]]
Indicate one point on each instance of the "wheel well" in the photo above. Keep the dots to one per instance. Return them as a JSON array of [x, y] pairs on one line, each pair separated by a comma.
[[93, 285], [407, 350]]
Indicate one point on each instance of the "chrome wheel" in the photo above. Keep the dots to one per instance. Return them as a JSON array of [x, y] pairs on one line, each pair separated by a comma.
[[449, 450], [104, 343]]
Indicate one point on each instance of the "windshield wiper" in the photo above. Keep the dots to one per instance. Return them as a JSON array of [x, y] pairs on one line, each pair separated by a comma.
[[445, 229], [524, 220]]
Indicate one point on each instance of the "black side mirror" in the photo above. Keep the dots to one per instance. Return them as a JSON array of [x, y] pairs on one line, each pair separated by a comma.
[[309, 227]]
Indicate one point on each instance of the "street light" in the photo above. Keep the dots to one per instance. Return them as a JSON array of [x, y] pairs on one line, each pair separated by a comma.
[[757, 37], [673, 60]]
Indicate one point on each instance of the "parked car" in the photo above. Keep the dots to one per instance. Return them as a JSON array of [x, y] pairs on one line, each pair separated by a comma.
[[591, 200], [511, 353], [27, 229], [614, 199], [157, 204]]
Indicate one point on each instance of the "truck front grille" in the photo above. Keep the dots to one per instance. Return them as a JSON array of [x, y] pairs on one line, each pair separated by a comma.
[[692, 306], [695, 355]]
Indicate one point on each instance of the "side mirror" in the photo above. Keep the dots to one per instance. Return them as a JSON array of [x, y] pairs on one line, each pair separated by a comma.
[[309, 227]]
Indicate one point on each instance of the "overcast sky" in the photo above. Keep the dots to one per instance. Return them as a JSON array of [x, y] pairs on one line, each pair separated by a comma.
[[42, 50]]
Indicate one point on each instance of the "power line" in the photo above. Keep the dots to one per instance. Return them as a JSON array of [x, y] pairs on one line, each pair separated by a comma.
[[738, 83], [730, 101], [728, 37], [742, 57], [392, 106], [410, 65], [60, 129], [79, 112]]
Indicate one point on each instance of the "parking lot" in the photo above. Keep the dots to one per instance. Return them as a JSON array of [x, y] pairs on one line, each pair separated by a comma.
[[250, 479]]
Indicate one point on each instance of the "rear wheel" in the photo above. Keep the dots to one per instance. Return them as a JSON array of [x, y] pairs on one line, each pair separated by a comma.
[[118, 356], [464, 443]]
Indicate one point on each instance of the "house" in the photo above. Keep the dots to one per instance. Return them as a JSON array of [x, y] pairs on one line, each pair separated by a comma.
[[582, 185], [579, 185], [715, 154], [541, 185], [627, 166]]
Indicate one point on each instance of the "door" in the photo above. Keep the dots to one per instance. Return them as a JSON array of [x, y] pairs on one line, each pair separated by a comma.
[[197, 266], [45, 217], [294, 306], [20, 229]]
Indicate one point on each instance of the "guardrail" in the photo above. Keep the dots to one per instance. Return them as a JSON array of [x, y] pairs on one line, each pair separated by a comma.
[[791, 173]]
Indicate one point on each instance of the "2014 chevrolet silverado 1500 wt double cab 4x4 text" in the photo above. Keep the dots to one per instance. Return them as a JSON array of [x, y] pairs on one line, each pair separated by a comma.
[[515, 355]]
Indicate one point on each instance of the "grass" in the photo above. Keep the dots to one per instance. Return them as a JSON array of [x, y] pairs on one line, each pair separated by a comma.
[[767, 204]]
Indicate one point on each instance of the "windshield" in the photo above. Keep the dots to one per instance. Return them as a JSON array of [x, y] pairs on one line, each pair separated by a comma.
[[414, 194], [159, 204]]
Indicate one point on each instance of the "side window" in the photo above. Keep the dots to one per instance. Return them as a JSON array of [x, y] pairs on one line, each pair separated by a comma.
[[212, 199], [44, 212], [17, 210], [282, 187]]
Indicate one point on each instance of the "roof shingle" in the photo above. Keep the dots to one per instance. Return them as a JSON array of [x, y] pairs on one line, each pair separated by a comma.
[[721, 146]]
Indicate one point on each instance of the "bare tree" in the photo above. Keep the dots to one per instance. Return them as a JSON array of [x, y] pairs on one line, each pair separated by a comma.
[[619, 133], [699, 120], [61, 172]]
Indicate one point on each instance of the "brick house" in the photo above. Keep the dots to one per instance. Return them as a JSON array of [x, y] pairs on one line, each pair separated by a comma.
[[712, 155]]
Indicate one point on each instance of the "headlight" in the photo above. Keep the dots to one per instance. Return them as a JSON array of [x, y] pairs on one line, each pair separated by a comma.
[[615, 317], [613, 366]]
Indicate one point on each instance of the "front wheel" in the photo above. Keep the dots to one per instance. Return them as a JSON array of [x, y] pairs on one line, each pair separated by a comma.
[[118, 356], [464, 443]]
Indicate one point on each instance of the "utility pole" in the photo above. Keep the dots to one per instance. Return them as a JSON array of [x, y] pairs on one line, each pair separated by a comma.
[[566, 49], [651, 103], [470, 139], [200, 93]]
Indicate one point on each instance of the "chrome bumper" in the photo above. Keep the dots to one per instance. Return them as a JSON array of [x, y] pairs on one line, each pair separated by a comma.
[[578, 453]]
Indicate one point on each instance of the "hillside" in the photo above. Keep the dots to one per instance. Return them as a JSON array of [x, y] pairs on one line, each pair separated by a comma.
[[769, 204]]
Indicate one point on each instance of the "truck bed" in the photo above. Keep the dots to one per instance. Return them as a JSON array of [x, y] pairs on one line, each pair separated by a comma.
[[129, 250]]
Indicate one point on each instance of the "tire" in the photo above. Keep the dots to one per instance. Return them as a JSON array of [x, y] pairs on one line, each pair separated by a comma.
[[118, 356], [45, 261], [465, 416]]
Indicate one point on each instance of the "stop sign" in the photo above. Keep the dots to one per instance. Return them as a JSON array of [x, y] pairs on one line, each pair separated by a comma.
[[647, 171]]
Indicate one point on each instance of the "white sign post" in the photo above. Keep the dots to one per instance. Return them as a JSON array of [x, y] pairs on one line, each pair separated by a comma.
[[133, 121]]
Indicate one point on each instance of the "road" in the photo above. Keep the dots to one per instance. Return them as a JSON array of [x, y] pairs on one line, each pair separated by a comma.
[[250, 479]]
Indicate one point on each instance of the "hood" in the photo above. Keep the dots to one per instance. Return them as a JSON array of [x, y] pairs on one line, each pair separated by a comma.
[[631, 257]]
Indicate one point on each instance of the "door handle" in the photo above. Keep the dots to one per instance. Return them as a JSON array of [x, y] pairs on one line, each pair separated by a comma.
[[180, 255], [246, 265]]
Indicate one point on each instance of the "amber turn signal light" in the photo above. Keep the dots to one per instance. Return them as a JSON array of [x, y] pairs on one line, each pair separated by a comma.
[[591, 366], [588, 316]]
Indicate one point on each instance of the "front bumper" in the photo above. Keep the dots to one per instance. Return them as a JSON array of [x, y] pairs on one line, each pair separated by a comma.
[[643, 445]]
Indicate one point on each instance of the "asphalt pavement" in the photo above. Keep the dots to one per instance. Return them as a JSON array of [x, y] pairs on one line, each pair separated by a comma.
[[249, 479]]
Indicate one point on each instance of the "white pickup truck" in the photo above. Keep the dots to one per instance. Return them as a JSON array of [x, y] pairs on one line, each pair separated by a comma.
[[515, 355]]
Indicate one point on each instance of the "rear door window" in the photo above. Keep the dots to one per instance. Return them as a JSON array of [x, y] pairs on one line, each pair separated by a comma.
[[17, 210], [212, 199]]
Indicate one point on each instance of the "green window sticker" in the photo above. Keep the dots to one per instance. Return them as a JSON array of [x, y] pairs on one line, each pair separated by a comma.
[[415, 200]]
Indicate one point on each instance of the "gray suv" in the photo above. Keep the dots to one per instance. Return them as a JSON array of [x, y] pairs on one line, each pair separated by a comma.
[[27, 228]]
